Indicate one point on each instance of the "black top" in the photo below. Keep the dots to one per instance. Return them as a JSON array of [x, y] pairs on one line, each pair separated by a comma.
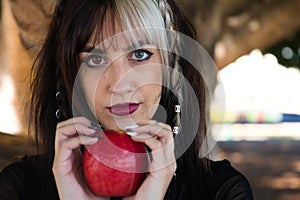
[[20, 181]]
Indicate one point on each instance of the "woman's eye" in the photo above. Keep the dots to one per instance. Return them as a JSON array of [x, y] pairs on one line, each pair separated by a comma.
[[94, 60], [141, 55]]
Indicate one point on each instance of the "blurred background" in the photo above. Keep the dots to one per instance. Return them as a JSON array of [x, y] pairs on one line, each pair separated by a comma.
[[256, 48]]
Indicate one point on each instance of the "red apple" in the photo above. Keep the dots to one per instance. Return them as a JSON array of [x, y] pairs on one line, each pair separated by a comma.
[[116, 165]]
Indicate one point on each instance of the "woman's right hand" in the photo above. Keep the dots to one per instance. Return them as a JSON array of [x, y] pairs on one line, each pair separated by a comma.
[[67, 165]]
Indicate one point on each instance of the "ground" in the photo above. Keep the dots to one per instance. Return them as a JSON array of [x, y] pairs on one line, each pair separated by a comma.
[[272, 166]]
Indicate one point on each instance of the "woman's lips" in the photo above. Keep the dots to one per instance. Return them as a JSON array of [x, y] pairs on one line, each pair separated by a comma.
[[123, 109]]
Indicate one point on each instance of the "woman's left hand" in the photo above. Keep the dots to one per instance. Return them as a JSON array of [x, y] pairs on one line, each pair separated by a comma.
[[159, 138]]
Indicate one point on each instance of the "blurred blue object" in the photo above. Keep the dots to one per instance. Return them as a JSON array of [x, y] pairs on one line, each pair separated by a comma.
[[290, 117]]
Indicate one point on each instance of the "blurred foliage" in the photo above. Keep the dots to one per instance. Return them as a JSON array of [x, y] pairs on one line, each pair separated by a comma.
[[287, 51]]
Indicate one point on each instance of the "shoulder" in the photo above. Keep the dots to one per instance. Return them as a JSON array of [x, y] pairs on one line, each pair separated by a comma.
[[21, 168], [228, 183], [16, 178]]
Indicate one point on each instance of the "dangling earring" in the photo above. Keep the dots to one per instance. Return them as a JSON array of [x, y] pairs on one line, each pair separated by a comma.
[[176, 127], [176, 130], [177, 108]]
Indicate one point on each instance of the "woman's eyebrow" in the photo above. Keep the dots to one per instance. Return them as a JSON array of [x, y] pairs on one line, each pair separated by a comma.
[[137, 45], [97, 50], [93, 49]]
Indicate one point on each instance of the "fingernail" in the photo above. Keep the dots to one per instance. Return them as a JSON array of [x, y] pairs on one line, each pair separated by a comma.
[[92, 136], [89, 140], [95, 126], [131, 127], [131, 133]]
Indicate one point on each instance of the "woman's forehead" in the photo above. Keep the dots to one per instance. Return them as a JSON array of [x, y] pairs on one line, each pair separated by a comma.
[[105, 30], [118, 39], [127, 29]]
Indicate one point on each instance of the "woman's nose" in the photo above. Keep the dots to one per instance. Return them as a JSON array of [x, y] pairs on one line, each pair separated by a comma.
[[120, 77]]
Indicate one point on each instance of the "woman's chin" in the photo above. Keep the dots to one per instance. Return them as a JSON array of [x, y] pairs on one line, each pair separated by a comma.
[[119, 124]]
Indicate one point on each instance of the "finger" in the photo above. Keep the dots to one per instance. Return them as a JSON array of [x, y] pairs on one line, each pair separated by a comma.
[[73, 129], [153, 122], [155, 130], [64, 152], [74, 143], [162, 155], [152, 142], [69, 129], [75, 120]]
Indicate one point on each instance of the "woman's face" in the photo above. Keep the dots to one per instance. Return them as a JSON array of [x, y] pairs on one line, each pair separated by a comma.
[[121, 80]]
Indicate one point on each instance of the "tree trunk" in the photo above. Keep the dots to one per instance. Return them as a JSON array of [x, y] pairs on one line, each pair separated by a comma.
[[266, 25], [22, 33], [229, 29]]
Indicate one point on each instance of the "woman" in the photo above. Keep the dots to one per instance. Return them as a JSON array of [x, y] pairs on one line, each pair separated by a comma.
[[120, 65]]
